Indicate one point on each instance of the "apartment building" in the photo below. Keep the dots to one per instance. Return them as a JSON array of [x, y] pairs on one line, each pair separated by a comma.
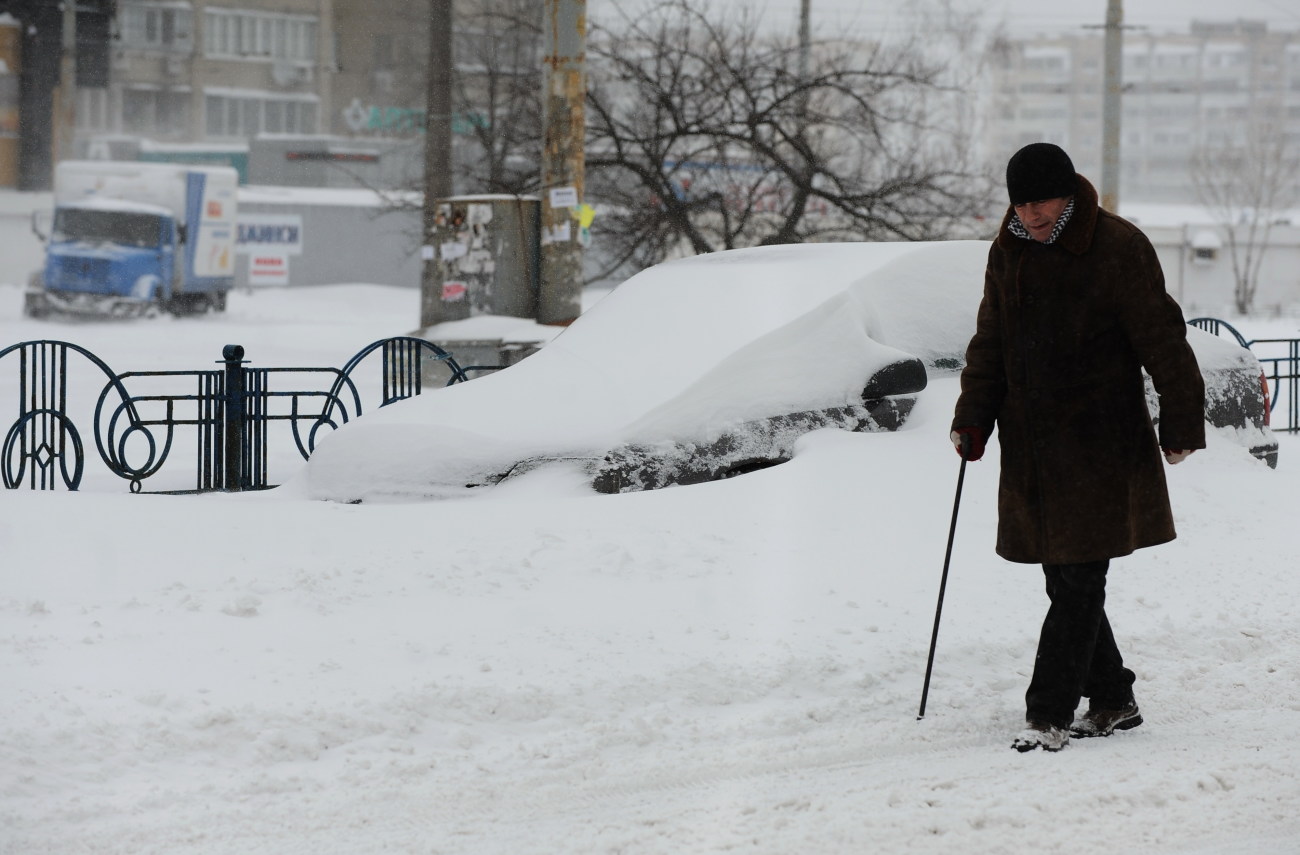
[[200, 71], [1181, 91], [219, 73], [193, 70], [379, 82]]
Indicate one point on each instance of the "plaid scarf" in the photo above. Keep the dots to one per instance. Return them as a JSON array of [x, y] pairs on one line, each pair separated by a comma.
[[1018, 229]]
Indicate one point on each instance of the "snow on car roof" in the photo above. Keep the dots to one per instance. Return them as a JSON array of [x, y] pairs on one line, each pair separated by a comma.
[[677, 348]]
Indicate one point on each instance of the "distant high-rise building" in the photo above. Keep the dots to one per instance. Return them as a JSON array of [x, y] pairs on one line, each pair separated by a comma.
[[1181, 91]]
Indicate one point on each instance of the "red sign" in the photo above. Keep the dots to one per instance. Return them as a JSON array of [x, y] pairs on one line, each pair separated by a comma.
[[268, 270], [453, 291]]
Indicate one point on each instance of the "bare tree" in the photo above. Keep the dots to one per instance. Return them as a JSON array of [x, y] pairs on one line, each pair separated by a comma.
[[494, 93], [496, 109], [498, 89], [705, 133], [1246, 184]]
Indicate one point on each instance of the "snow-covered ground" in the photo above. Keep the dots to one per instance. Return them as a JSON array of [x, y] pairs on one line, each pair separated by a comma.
[[733, 667]]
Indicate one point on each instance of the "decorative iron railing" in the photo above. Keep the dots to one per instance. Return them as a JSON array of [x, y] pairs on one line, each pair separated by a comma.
[[139, 416], [1280, 358]]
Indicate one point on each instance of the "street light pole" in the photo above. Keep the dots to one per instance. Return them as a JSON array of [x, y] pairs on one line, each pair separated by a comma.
[[805, 38], [65, 136], [805, 54], [1111, 105], [437, 164]]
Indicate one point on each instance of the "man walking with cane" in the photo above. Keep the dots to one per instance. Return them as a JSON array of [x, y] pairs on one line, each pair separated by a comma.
[[1074, 308]]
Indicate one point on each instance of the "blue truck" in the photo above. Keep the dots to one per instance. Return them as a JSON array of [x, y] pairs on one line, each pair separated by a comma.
[[130, 239]]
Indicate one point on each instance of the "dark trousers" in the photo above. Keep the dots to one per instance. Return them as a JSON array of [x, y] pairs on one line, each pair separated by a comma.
[[1077, 656]]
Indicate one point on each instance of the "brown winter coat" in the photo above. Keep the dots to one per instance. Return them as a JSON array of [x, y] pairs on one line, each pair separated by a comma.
[[1062, 335]]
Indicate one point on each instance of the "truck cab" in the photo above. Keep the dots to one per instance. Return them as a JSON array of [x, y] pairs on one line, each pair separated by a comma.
[[112, 249]]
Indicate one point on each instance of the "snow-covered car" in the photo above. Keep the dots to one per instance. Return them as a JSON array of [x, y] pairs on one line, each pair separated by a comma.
[[708, 367]]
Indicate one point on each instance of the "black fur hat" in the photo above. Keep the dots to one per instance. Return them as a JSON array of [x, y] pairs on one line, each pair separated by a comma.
[[1040, 171]]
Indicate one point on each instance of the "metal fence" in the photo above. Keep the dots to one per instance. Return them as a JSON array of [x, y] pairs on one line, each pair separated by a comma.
[[1280, 358], [139, 418]]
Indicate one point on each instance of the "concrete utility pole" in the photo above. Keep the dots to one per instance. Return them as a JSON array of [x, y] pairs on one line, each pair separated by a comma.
[[437, 164], [805, 38], [559, 300], [66, 134], [805, 56], [1112, 109]]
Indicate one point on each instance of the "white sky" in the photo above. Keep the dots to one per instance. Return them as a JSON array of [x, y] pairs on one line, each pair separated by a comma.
[[1160, 15], [1025, 17]]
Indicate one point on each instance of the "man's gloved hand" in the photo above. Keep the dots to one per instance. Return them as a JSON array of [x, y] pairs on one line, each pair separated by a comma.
[[975, 448], [1176, 455]]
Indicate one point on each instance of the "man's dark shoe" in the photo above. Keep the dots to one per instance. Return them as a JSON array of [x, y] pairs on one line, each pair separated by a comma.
[[1038, 734], [1106, 722]]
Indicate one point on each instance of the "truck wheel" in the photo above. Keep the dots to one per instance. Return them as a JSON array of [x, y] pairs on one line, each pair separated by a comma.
[[35, 305], [218, 301], [183, 305]]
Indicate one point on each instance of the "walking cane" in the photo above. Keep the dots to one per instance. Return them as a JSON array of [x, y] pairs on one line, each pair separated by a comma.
[[943, 581]]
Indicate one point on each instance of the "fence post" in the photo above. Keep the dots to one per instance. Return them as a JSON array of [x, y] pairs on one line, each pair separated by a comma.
[[233, 425]]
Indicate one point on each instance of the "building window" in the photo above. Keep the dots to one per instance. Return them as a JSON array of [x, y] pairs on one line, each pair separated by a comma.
[[158, 26], [240, 34], [156, 112], [273, 117], [1217, 59], [93, 110], [245, 115]]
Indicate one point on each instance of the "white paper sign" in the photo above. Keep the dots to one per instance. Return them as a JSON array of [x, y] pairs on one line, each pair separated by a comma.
[[564, 197], [556, 234]]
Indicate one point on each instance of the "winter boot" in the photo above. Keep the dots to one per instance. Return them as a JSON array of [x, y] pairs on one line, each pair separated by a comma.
[[1038, 734], [1105, 722]]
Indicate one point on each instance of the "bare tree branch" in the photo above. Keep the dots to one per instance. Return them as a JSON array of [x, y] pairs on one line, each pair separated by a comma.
[[497, 93], [1246, 183], [704, 135]]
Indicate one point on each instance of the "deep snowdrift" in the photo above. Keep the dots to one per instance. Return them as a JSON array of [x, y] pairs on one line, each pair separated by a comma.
[[730, 667]]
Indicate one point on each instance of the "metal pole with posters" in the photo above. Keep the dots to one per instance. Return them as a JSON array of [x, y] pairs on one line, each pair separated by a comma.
[[564, 126]]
